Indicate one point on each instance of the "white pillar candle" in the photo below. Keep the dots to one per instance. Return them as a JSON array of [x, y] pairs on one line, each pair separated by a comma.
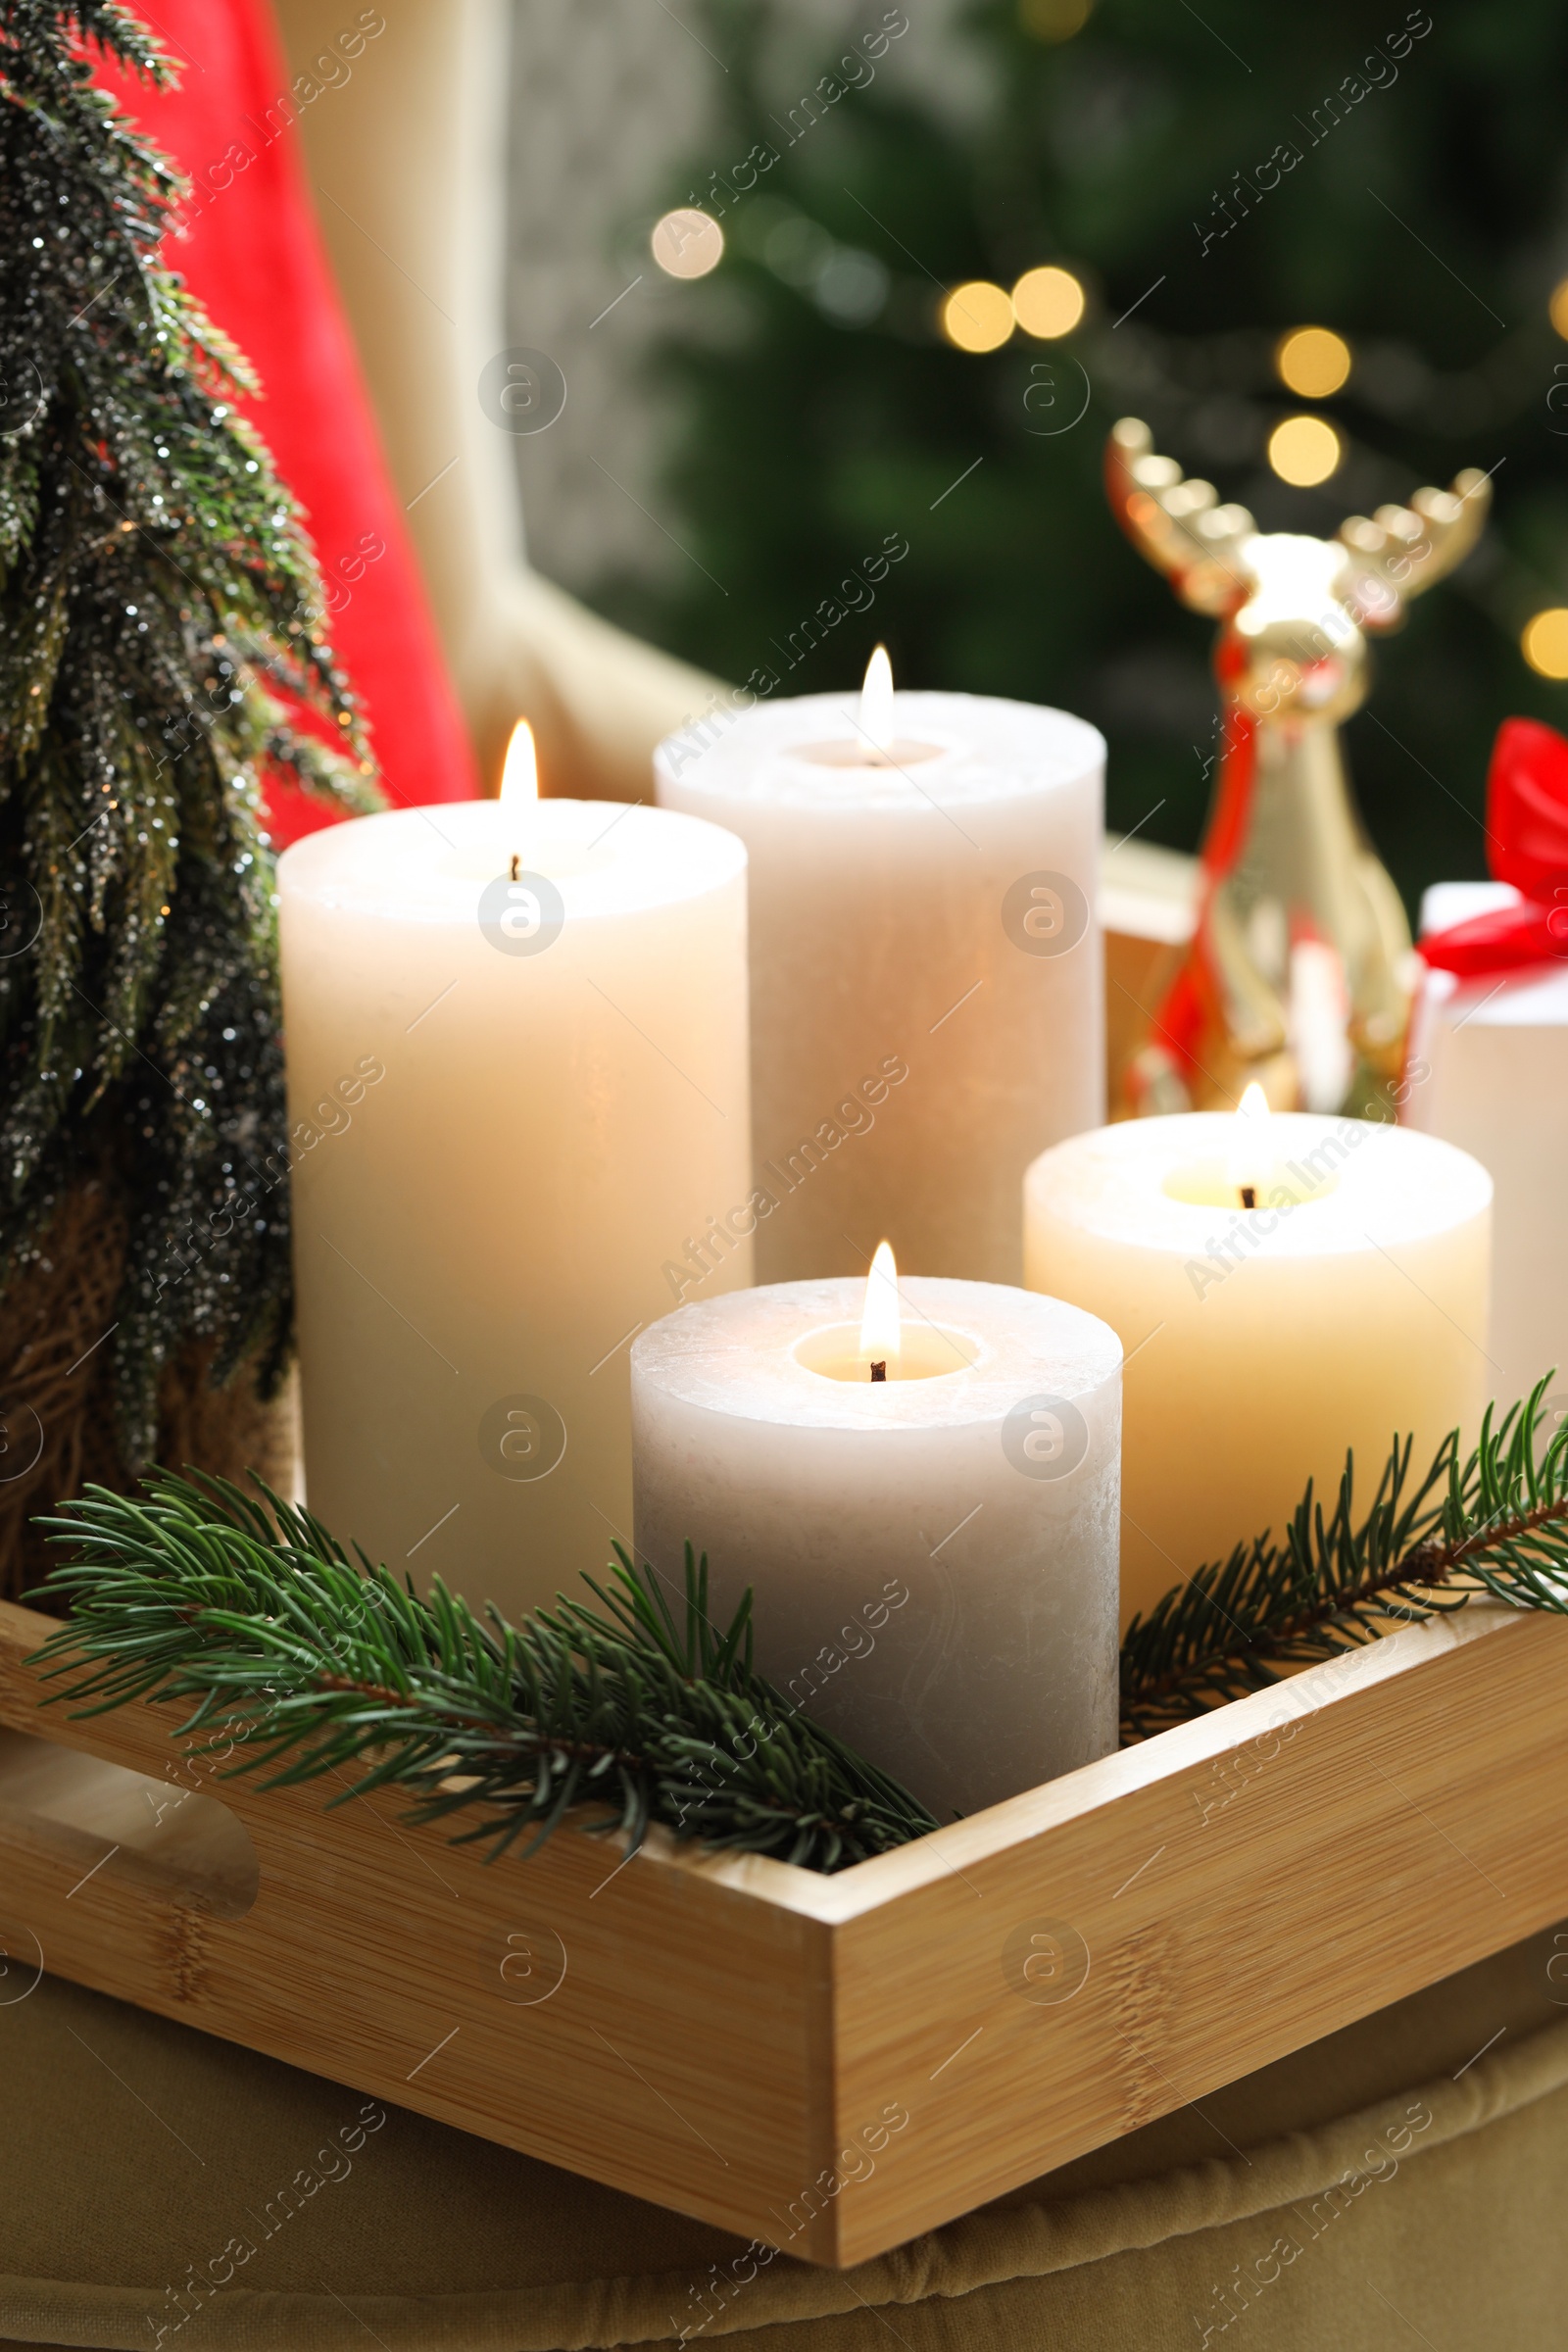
[[1284, 1289], [933, 1554], [927, 994], [516, 1076]]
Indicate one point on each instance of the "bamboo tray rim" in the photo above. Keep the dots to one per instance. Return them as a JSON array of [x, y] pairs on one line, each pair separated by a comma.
[[838, 1897], [1034, 1812], [835, 1898]]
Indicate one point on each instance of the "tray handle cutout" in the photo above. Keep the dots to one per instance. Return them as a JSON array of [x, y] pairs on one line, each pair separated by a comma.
[[178, 1846]]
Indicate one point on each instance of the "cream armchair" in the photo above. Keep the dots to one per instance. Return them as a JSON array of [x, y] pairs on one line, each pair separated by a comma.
[[407, 159], [407, 156]]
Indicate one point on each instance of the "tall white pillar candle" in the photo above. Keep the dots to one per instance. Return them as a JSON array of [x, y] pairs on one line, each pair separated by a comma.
[[927, 994], [512, 1100], [933, 1556], [1284, 1289]]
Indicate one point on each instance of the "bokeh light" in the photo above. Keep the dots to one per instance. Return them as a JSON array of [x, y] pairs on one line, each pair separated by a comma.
[[1557, 307], [1048, 302], [1305, 451], [977, 315], [1543, 641], [1054, 19], [687, 243], [1313, 361]]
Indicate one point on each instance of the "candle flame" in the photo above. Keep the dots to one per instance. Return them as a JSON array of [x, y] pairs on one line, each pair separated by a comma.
[[1251, 1147], [520, 777], [881, 1332], [876, 704]]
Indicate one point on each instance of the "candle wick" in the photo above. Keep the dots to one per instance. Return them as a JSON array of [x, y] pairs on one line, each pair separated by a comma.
[[516, 862], [879, 1371], [1249, 1196]]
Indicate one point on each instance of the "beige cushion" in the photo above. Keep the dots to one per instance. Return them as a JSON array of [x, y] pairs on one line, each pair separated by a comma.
[[1411, 2190]]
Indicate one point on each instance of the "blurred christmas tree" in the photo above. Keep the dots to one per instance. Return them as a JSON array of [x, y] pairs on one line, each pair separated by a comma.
[[154, 587], [1211, 183]]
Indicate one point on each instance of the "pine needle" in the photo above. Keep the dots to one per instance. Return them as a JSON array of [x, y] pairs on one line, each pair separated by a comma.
[[1494, 1522], [303, 1662]]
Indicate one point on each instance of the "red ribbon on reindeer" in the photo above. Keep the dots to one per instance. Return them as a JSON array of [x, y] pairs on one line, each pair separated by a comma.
[[1527, 846]]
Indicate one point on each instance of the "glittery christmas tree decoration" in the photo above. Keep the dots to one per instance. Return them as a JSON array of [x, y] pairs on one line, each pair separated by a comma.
[[157, 600]]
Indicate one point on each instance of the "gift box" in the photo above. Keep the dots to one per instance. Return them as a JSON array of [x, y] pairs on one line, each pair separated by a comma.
[[1487, 1062], [1488, 1071]]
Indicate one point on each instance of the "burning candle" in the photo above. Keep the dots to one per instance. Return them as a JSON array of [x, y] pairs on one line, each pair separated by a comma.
[[927, 1009], [877, 716], [881, 1325], [516, 1071], [919, 1479], [1285, 1287]]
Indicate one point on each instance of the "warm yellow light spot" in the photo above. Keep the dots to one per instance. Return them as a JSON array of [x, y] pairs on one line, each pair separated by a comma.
[[977, 315], [687, 243], [1054, 19], [1557, 307], [1313, 361], [1048, 302], [520, 777], [881, 1328], [1543, 641], [1304, 450], [876, 704]]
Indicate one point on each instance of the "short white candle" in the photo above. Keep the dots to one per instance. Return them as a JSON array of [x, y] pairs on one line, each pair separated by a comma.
[[1347, 1303], [515, 1088], [927, 994], [933, 1554]]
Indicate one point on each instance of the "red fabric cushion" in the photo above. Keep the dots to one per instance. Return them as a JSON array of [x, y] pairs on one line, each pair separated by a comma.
[[249, 248]]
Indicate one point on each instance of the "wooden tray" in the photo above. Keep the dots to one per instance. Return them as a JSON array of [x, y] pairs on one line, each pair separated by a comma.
[[826, 2064]]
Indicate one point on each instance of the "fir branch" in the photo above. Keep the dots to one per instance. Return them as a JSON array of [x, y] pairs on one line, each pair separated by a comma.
[[311, 1663], [1495, 1522]]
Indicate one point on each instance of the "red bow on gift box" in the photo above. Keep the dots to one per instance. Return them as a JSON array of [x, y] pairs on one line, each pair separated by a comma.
[[1527, 846]]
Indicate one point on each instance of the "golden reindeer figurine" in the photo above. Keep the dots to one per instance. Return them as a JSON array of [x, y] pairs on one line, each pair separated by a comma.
[[1296, 973]]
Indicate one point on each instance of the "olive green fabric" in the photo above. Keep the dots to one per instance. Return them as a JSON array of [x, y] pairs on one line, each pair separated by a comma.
[[1402, 2181]]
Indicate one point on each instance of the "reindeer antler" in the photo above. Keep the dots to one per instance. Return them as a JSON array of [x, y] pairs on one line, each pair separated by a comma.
[[1402, 549], [1176, 523]]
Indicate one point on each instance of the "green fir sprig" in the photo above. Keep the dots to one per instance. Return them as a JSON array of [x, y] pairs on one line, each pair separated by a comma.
[[303, 1663], [309, 1664], [1494, 1521]]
